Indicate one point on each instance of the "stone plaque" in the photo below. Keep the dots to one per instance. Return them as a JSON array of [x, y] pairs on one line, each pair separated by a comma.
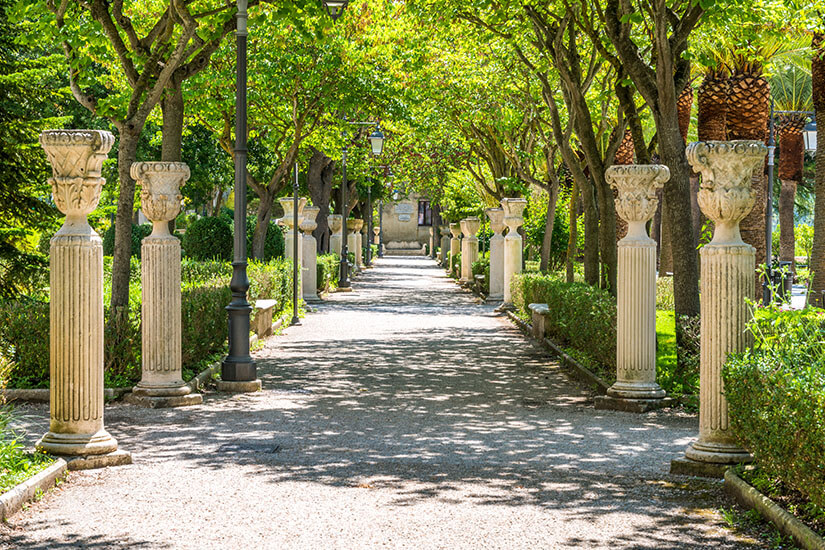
[[404, 208], [403, 217]]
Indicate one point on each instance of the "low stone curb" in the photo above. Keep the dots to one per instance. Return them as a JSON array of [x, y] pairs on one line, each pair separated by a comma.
[[13, 500], [578, 370], [41, 395], [750, 498]]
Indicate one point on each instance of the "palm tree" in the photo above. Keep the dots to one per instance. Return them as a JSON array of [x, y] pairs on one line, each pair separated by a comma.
[[815, 295], [712, 99], [791, 90]]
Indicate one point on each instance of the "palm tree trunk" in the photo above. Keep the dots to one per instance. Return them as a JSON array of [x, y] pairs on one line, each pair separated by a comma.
[[815, 295]]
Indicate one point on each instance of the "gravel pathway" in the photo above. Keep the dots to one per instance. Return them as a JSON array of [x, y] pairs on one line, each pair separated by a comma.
[[401, 415]]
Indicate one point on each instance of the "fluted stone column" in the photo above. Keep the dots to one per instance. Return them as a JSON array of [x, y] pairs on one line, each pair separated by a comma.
[[335, 221], [359, 245], [513, 210], [455, 245], [445, 245], [76, 304], [636, 389], [496, 216], [288, 221], [161, 384], [352, 241], [727, 278], [469, 248], [310, 255]]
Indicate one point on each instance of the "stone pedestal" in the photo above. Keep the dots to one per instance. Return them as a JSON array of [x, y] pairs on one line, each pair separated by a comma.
[[376, 239], [336, 233], [445, 245], [352, 242], [161, 384], [76, 305], [292, 233], [469, 248], [513, 210], [310, 255], [636, 387], [359, 245], [496, 216], [455, 245], [727, 278]]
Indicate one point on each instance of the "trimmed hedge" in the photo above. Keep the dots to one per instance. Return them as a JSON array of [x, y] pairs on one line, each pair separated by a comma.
[[580, 316], [455, 266], [482, 267], [24, 323], [329, 267], [776, 398], [208, 239], [139, 232]]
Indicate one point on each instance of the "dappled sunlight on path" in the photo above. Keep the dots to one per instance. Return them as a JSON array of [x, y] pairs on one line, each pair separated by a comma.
[[404, 415]]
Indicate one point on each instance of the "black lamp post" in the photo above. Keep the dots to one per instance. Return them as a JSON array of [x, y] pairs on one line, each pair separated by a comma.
[[296, 237], [368, 257], [238, 366]]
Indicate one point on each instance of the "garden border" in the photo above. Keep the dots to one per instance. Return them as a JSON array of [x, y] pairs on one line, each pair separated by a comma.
[[13, 500], [579, 371], [749, 497]]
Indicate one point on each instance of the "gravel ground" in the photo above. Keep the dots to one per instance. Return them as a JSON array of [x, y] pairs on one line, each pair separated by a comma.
[[401, 415]]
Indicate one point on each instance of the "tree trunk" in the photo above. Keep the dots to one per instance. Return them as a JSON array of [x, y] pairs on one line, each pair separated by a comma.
[[656, 226], [172, 108], [817, 287], [607, 234], [591, 237], [126, 156], [319, 182], [787, 195], [261, 225], [666, 250], [547, 241], [572, 223]]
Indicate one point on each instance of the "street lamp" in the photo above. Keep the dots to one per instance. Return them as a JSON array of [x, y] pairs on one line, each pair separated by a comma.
[[809, 135], [377, 141], [335, 8]]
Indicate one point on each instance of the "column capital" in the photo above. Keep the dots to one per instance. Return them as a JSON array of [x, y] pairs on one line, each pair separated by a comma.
[[287, 203], [445, 230], [496, 216], [308, 224], [725, 195], [513, 213], [470, 226], [637, 185], [160, 197], [335, 221], [455, 229]]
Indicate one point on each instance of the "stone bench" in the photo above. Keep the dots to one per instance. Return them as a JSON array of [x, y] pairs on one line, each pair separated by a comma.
[[538, 312], [262, 324]]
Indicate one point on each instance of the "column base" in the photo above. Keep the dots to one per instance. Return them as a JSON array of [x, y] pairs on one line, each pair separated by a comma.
[[639, 390], [231, 386], [314, 299], [175, 389], [717, 453], [608, 402], [506, 307], [343, 289], [117, 458], [163, 402], [688, 467], [67, 444], [494, 299]]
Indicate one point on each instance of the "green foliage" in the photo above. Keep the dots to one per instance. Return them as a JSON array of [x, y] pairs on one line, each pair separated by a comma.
[[535, 223], [804, 241], [482, 267], [683, 378], [581, 316], [16, 463], [274, 243], [329, 266], [208, 239], [776, 397], [139, 232], [455, 266]]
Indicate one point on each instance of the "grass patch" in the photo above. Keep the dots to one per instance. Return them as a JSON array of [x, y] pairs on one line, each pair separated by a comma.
[[16, 464]]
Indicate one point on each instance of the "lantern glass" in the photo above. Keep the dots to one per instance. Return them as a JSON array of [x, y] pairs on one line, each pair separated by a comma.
[[809, 135], [335, 8], [377, 141]]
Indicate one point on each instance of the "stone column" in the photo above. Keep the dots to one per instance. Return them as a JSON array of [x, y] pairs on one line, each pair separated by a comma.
[[469, 248], [433, 241], [445, 245], [455, 245], [288, 221], [513, 210], [76, 303], [496, 216], [636, 389], [352, 241], [376, 231], [335, 222], [310, 255], [727, 278], [359, 245], [161, 384]]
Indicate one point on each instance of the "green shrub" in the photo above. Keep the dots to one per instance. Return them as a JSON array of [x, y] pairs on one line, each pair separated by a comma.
[[664, 293], [455, 266], [139, 232], [24, 341], [776, 398], [274, 243], [482, 267], [208, 239], [329, 266], [580, 316]]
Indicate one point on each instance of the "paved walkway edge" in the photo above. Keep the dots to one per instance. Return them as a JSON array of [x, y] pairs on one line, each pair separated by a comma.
[[579, 371], [13, 500], [750, 498]]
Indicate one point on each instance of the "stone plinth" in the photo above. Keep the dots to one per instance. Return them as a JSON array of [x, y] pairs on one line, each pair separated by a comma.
[[376, 239], [310, 254], [359, 244], [76, 305], [727, 278], [513, 210], [161, 384], [496, 216], [352, 241], [636, 291], [455, 245], [335, 221], [445, 245], [469, 248], [292, 233]]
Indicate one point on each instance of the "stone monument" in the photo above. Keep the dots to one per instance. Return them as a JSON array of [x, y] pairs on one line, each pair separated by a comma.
[[444, 252], [288, 221], [496, 216], [469, 248], [513, 210], [310, 255], [352, 242], [335, 222], [455, 245], [76, 428]]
